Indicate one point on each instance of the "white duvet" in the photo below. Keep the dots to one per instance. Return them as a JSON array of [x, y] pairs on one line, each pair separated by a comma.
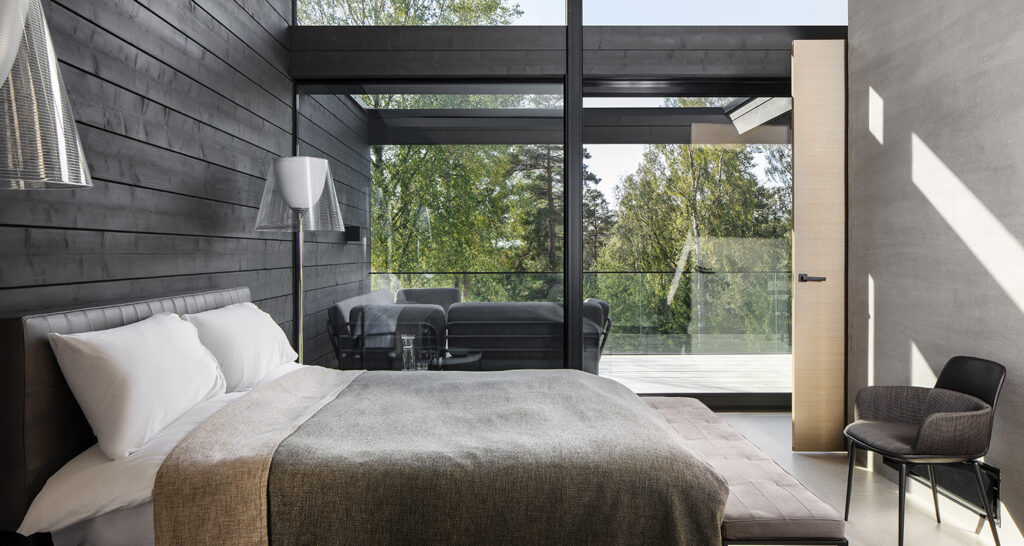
[[92, 484]]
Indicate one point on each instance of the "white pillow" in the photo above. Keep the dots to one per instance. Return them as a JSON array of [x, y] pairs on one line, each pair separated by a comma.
[[246, 341], [91, 485], [134, 380]]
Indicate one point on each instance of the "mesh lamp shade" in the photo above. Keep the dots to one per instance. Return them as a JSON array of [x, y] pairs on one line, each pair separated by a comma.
[[299, 196], [39, 146]]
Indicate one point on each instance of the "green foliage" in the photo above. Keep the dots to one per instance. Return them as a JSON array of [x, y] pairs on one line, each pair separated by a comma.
[[701, 244], [441, 208], [407, 12], [539, 208], [695, 258], [598, 221]]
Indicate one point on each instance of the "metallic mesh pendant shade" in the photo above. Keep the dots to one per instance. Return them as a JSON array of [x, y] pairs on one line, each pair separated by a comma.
[[299, 196], [39, 145]]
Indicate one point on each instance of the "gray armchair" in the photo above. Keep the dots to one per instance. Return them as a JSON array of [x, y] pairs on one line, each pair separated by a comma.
[[950, 423], [444, 297]]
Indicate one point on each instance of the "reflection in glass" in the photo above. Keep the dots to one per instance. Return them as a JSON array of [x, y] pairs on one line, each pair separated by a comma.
[[430, 12], [476, 228], [459, 101], [652, 102]]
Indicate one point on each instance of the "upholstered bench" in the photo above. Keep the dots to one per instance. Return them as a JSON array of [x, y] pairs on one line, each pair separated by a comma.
[[766, 505]]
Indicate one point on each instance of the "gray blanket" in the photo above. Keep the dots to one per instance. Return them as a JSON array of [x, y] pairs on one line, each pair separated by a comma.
[[517, 457]]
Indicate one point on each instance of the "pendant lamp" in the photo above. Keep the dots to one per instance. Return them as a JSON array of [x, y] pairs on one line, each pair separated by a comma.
[[39, 145]]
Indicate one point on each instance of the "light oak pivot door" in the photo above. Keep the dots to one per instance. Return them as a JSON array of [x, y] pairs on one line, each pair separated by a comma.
[[819, 244]]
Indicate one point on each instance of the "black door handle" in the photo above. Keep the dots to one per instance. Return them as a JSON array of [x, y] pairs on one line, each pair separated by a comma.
[[804, 277]]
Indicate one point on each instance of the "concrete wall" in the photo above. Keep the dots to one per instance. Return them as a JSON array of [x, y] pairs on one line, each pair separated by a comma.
[[936, 200]]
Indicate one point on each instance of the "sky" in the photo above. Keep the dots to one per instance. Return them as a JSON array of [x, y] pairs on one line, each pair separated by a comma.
[[610, 162], [690, 12]]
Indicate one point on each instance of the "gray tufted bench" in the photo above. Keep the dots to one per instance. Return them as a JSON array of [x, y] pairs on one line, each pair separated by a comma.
[[766, 505]]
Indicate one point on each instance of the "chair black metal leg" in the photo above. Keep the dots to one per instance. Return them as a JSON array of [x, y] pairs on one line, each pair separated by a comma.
[[849, 479], [903, 497], [935, 492], [984, 501]]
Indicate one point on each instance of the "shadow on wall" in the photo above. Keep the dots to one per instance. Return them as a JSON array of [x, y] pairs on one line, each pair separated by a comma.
[[930, 295], [998, 251]]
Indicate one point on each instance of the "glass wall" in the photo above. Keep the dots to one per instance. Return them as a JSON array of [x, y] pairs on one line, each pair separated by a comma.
[[686, 242], [721, 12], [461, 216], [430, 12], [552, 12], [690, 246], [479, 216]]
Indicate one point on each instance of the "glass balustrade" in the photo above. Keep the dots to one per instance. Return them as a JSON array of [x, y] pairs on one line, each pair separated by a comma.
[[653, 313]]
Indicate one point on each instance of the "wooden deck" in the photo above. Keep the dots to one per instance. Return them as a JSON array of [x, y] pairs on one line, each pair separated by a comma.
[[700, 373]]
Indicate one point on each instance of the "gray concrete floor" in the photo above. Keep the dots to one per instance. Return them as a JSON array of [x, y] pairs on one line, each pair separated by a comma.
[[873, 515]]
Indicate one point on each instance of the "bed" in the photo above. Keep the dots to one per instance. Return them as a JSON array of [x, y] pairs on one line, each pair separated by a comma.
[[328, 456]]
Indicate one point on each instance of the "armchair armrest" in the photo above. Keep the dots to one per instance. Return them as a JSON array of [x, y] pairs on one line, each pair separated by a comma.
[[341, 340], [954, 434], [894, 404]]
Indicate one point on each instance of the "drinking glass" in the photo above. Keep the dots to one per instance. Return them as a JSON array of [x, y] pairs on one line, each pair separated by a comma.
[[408, 355]]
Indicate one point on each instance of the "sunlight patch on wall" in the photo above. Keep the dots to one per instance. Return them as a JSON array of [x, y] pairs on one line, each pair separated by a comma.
[[921, 373], [871, 330], [986, 237], [876, 115]]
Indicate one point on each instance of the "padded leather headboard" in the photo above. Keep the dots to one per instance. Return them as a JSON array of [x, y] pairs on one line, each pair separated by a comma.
[[41, 425]]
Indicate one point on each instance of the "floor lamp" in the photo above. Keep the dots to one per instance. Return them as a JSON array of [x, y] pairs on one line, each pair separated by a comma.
[[299, 197], [39, 146]]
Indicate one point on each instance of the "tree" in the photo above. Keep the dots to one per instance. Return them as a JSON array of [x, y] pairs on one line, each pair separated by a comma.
[[541, 194], [440, 208], [407, 12], [598, 221]]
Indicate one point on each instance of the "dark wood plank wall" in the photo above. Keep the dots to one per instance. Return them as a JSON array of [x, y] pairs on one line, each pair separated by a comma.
[[335, 127], [736, 53], [367, 53], [600, 126], [182, 105]]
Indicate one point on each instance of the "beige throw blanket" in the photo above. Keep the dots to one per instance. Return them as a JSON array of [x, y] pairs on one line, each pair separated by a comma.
[[212, 488], [520, 457]]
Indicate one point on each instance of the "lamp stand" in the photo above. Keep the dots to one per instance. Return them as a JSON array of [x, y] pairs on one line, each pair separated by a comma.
[[300, 291]]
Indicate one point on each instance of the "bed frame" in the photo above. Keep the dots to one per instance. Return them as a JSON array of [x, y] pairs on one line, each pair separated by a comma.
[[41, 424]]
